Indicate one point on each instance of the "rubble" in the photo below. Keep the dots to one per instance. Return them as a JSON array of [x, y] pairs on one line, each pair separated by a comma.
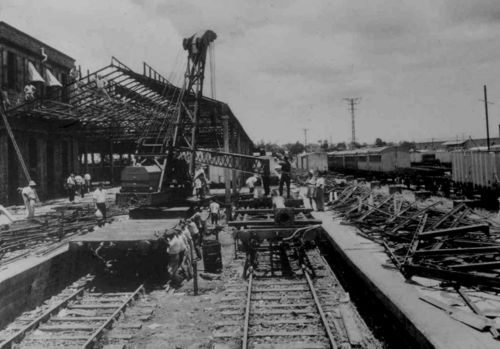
[[424, 238]]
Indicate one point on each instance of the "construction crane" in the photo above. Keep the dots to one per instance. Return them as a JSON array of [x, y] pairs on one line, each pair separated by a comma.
[[167, 151]]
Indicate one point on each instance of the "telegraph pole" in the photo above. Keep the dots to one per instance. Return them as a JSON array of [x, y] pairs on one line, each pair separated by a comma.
[[485, 100], [352, 102], [305, 138]]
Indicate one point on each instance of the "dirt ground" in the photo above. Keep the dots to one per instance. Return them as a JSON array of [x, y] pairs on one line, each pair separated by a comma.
[[182, 320]]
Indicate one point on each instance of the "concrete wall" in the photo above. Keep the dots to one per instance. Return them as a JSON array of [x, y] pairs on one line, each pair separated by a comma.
[[28, 288]]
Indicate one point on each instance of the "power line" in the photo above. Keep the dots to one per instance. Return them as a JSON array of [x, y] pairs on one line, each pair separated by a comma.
[[352, 102]]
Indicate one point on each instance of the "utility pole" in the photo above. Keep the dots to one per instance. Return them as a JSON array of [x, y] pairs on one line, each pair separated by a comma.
[[485, 100], [305, 138], [352, 102]]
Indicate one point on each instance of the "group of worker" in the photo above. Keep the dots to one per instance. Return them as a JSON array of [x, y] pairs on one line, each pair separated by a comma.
[[316, 189], [184, 247], [30, 198], [78, 185]]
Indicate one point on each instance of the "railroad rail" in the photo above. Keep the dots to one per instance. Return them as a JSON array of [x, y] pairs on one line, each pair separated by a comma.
[[290, 303], [76, 320], [47, 232]]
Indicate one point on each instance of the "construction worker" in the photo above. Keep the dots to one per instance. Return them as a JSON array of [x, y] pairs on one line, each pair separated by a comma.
[[198, 220], [175, 250], [79, 185], [250, 182], [99, 197], [195, 236], [249, 246], [320, 192], [214, 212], [266, 179], [186, 262], [29, 92], [87, 179], [71, 186], [286, 169], [198, 187], [29, 197], [311, 187]]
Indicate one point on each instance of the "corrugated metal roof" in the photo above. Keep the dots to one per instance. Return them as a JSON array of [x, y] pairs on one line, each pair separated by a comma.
[[372, 150], [453, 143]]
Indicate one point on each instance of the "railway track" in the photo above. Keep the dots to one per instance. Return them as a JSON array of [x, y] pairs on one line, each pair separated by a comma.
[[76, 318], [286, 304]]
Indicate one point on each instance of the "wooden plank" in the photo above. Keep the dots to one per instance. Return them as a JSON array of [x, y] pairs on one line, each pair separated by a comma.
[[293, 345], [287, 334], [59, 328], [285, 305], [94, 306], [290, 289], [130, 325], [78, 318], [350, 324], [283, 312]]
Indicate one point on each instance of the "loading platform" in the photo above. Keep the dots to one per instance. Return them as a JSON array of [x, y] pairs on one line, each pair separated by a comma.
[[429, 326]]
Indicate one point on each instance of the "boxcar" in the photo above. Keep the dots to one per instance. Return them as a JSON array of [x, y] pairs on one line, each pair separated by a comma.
[[476, 168]]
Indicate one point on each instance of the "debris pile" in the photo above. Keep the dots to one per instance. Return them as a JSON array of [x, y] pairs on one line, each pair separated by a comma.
[[423, 239]]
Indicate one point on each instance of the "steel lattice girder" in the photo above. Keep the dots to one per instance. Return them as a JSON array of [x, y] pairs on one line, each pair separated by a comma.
[[239, 162], [244, 163]]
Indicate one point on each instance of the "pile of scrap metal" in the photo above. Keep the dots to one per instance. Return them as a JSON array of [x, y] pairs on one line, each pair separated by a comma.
[[48, 231], [453, 245]]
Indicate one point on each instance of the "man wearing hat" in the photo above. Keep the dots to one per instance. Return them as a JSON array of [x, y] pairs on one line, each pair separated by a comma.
[[29, 197]]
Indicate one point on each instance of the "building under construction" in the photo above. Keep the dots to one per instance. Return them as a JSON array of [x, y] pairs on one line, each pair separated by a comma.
[[86, 124]]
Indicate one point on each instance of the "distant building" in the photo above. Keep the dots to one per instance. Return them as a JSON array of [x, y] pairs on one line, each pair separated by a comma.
[[312, 161], [456, 144], [46, 142]]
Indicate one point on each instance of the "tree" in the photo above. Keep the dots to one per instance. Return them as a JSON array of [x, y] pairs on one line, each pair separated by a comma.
[[380, 143], [324, 145], [341, 146], [271, 147], [295, 148], [407, 145]]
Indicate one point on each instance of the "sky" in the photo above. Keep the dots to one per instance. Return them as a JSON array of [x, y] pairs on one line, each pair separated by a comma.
[[283, 66]]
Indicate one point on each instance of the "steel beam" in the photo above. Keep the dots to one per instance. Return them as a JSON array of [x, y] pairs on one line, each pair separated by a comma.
[[456, 251], [465, 279], [485, 228]]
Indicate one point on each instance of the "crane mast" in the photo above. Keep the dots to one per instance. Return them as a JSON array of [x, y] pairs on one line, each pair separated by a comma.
[[192, 92]]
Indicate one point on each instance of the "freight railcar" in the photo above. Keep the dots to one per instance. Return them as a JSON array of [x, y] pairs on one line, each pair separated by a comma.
[[378, 160], [477, 172], [390, 163], [430, 158]]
